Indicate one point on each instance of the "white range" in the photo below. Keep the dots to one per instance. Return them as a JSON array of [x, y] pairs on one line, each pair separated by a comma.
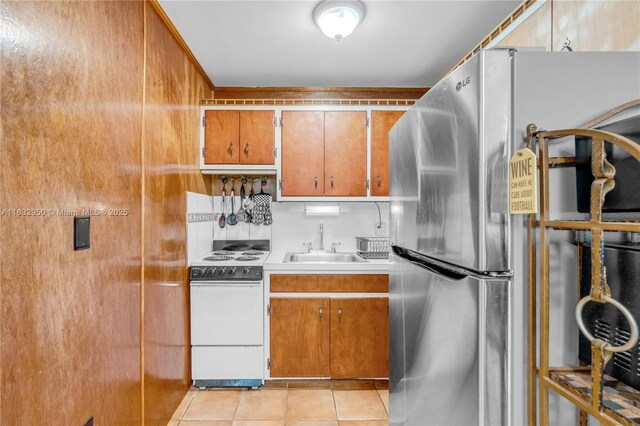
[[227, 337]]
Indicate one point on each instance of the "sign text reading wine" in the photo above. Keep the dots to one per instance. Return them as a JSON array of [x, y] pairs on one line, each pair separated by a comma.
[[523, 179]]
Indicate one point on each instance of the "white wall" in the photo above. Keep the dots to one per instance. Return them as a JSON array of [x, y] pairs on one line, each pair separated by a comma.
[[200, 222], [291, 227]]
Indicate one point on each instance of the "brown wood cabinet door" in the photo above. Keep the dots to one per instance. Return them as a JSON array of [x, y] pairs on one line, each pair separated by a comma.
[[299, 338], [359, 338], [345, 153], [257, 137], [221, 137], [381, 123], [302, 153]]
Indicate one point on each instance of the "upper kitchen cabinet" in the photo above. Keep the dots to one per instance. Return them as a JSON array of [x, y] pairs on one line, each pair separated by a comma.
[[239, 137], [302, 153], [324, 153], [257, 133], [381, 124], [318, 152], [345, 153], [221, 137]]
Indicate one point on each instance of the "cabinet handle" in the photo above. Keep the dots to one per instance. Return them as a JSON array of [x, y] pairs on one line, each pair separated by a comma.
[[321, 312], [246, 150], [379, 181], [331, 182], [230, 150], [316, 183], [339, 315]]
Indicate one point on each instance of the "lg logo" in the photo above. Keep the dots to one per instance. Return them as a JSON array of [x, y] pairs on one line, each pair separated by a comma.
[[462, 83]]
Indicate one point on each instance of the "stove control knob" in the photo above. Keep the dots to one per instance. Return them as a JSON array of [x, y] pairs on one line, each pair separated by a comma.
[[221, 271], [232, 271], [209, 272], [246, 271]]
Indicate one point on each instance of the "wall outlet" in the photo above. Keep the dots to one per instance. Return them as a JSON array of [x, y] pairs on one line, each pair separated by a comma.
[[381, 229]]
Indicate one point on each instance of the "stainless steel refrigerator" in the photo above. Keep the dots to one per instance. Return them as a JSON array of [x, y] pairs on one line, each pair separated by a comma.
[[458, 262]]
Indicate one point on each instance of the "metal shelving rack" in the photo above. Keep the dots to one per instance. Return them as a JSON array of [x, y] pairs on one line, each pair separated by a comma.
[[586, 387]]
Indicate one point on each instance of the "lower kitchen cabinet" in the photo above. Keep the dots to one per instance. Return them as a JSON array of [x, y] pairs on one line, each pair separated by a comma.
[[359, 338], [299, 337], [339, 338]]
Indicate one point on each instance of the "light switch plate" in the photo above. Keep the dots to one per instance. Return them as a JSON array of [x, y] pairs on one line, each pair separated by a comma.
[[81, 232]]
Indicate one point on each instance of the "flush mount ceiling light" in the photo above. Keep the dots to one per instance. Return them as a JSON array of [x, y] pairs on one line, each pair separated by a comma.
[[337, 19]]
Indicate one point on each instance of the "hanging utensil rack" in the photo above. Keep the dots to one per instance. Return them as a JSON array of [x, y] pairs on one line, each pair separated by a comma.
[[586, 387]]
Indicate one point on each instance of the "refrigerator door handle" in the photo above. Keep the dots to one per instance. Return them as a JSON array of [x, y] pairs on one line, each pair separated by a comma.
[[425, 264], [451, 272]]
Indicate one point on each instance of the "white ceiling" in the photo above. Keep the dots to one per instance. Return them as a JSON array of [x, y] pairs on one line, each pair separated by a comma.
[[276, 43]]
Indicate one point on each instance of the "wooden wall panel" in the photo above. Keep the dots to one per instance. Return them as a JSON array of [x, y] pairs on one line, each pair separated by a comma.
[[71, 93], [173, 91], [597, 25], [534, 31], [319, 92]]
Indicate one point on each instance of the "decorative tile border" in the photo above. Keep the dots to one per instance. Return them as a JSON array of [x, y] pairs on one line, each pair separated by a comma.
[[200, 217]]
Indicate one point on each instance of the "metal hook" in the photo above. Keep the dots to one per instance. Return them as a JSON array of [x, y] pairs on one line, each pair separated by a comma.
[[566, 45]]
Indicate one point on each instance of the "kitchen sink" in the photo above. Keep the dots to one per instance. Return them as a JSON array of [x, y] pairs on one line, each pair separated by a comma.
[[323, 258]]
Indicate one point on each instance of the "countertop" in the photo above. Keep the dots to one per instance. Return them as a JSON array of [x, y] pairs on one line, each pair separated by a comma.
[[275, 262]]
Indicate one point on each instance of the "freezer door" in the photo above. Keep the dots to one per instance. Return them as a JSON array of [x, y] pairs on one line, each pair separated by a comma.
[[448, 347], [448, 167]]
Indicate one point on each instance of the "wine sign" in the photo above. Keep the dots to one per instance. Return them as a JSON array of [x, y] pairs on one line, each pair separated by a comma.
[[523, 182]]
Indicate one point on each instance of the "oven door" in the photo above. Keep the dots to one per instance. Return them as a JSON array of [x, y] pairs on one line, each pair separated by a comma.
[[226, 313]]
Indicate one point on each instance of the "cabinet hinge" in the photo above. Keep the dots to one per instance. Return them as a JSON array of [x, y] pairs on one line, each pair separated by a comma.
[[281, 121], [366, 183], [268, 310], [281, 183], [268, 363], [204, 121], [275, 121], [366, 121], [204, 152], [275, 152]]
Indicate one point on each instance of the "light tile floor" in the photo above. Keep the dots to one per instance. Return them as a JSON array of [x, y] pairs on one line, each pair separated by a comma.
[[293, 403]]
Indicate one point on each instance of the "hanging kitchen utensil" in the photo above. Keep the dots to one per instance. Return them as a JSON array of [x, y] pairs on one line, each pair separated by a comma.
[[248, 202], [242, 215], [266, 202], [232, 218], [222, 221], [257, 213], [261, 208]]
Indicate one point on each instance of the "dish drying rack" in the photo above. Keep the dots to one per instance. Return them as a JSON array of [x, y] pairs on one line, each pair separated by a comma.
[[373, 247]]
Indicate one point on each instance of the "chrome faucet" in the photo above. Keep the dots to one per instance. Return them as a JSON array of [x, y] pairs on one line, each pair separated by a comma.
[[321, 236]]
